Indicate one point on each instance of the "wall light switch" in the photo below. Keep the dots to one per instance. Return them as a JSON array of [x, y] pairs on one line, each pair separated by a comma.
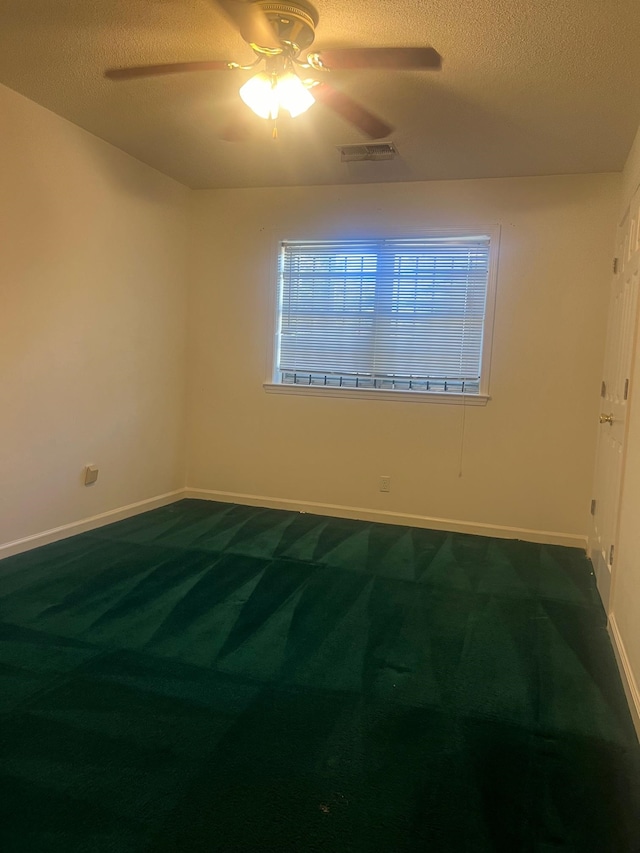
[[90, 474]]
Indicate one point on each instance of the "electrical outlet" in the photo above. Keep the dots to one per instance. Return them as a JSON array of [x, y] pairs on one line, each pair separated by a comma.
[[385, 484]]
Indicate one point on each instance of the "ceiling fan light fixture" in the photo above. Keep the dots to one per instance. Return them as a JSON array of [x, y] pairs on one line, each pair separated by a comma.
[[266, 94]]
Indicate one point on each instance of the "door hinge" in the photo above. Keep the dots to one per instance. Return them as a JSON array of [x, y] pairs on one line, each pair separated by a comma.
[[626, 389], [611, 555], [593, 507], [615, 266], [603, 389]]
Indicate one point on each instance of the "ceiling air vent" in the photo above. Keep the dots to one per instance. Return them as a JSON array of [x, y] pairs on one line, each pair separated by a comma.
[[373, 151]]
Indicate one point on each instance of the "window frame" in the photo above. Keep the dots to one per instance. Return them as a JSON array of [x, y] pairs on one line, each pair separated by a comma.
[[493, 232]]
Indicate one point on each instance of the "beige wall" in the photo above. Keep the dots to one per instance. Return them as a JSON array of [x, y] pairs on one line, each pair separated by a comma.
[[625, 593], [528, 456], [92, 322]]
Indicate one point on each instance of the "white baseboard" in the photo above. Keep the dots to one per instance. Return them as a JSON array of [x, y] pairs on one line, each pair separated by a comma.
[[17, 546], [386, 517], [57, 533], [624, 665]]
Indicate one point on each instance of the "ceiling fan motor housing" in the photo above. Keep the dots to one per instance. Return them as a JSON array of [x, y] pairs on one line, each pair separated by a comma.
[[294, 23]]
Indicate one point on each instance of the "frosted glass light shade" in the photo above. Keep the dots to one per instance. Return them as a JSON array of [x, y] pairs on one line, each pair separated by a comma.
[[293, 95], [267, 95], [260, 95]]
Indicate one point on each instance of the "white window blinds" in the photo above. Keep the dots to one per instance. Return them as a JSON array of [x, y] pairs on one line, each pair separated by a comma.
[[397, 314]]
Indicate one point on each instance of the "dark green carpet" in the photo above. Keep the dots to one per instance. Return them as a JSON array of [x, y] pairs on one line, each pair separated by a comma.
[[212, 677]]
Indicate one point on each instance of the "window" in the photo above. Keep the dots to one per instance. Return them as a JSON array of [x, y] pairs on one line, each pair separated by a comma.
[[389, 315]]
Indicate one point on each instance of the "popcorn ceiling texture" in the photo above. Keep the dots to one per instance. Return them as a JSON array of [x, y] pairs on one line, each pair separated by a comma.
[[526, 88]]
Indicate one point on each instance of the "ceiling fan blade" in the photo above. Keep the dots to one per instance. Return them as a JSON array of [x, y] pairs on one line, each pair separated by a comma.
[[348, 58], [352, 111], [171, 68], [252, 22]]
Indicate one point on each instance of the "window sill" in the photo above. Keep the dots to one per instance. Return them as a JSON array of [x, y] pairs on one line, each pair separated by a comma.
[[379, 394]]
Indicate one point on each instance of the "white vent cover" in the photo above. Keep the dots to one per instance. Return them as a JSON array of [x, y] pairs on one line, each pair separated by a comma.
[[371, 151]]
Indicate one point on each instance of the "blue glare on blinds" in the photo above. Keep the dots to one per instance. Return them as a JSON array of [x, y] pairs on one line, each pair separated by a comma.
[[403, 314]]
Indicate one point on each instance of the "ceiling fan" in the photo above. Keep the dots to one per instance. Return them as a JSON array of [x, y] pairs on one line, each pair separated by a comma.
[[280, 34]]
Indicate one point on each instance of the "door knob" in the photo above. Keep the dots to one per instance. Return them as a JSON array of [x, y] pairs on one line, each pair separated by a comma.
[[606, 419]]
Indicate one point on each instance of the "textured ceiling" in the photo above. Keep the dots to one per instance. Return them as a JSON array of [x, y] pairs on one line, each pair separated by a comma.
[[528, 87]]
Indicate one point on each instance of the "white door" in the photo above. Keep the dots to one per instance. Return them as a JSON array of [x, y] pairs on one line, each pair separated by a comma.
[[616, 389]]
